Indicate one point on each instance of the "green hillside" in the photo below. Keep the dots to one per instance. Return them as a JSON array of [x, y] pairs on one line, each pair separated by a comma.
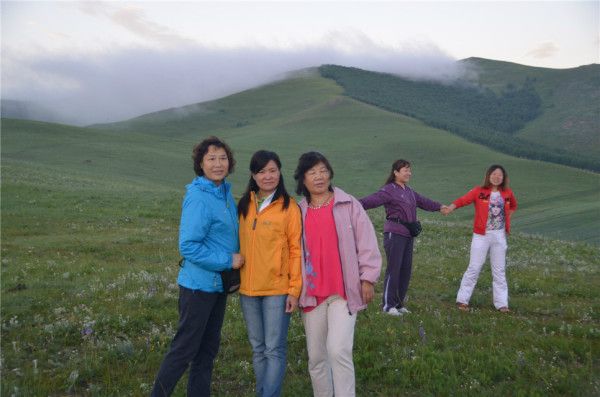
[[95, 157], [274, 104], [490, 115], [570, 117], [89, 254], [363, 141]]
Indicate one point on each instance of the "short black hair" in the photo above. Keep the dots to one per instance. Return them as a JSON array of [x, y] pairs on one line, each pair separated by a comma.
[[306, 162], [201, 149]]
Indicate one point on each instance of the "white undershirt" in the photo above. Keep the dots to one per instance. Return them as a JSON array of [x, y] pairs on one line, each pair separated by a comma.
[[266, 203]]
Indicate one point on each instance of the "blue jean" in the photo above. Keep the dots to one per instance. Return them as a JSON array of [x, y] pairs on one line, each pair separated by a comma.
[[267, 324], [195, 344]]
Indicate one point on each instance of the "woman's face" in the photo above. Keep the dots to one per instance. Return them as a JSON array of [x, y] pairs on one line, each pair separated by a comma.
[[215, 164], [267, 178], [496, 177], [317, 179], [402, 176]]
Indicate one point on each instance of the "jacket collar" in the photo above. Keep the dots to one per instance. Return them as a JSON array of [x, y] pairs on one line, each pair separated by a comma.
[[340, 196], [209, 186], [396, 186], [254, 199], [489, 189]]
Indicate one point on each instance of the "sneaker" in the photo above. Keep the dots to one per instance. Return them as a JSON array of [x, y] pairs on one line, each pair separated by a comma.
[[403, 310], [393, 312], [504, 309], [462, 306]]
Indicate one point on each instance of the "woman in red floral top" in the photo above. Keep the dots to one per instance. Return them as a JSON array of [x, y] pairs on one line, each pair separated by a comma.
[[340, 263]]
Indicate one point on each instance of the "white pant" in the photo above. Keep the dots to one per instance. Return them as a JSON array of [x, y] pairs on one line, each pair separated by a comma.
[[329, 339], [495, 242]]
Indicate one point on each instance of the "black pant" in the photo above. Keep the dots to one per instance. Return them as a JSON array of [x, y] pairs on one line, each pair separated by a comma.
[[399, 250], [196, 341]]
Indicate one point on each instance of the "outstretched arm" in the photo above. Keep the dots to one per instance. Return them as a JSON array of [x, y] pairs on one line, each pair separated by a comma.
[[427, 204], [375, 200]]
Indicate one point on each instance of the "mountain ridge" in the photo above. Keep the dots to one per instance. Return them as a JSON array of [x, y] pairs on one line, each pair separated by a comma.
[[550, 130], [360, 140]]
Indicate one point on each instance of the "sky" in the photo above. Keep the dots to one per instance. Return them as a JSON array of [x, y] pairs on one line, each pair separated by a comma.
[[107, 61]]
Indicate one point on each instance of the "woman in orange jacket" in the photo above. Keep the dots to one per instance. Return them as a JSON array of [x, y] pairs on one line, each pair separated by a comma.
[[271, 278], [494, 204]]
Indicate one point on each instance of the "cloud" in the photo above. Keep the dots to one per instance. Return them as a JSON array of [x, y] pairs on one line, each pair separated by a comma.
[[130, 82], [134, 20], [544, 50]]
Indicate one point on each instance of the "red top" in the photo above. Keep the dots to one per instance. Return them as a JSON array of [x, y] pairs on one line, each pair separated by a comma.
[[323, 265], [480, 196]]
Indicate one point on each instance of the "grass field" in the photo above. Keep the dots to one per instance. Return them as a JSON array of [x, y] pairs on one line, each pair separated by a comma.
[[89, 307], [89, 253]]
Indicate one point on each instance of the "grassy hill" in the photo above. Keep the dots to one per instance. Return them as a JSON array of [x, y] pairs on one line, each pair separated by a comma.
[[89, 253], [570, 117], [363, 141], [495, 114]]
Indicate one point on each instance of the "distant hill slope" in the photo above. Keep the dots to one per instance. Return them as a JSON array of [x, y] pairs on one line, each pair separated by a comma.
[[235, 111], [492, 114], [27, 111], [570, 114], [152, 152]]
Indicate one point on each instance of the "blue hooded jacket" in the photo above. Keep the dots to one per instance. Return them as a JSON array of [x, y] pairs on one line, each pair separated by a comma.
[[208, 234]]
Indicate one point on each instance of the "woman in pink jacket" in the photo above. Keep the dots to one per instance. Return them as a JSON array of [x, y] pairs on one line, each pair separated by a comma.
[[341, 262], [494, 204]]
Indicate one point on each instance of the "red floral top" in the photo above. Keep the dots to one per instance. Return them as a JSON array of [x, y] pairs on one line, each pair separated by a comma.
[[323, 267]]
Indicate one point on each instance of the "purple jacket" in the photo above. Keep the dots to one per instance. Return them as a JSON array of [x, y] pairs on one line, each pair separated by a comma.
[[359, 250], [399, 203]]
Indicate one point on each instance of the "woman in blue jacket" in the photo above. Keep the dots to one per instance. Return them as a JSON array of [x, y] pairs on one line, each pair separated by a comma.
[[208, 242]]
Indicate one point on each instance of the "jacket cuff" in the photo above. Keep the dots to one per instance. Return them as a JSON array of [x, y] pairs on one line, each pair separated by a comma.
[[365, 278], [229, 262], [294, 292]]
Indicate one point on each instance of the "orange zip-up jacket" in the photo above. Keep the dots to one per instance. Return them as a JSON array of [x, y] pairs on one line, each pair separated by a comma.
[[270, 244]]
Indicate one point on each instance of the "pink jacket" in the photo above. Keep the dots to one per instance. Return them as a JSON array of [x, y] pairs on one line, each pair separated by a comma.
[[359, 250]]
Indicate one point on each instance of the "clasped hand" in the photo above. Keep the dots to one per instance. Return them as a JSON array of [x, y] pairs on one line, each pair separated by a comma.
[[447, 209], [238, 261]]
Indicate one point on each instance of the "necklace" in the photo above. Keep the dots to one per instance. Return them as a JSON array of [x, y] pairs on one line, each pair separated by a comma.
[[323, 204]]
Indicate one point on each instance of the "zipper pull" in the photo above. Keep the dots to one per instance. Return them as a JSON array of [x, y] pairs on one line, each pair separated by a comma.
[[254, 224]]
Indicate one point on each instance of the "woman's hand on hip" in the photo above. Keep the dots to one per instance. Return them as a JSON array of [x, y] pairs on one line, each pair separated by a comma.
[[367, 291], [291, 304]]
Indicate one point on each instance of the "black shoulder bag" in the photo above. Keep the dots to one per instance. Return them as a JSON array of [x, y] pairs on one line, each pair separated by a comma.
[[414, 228]]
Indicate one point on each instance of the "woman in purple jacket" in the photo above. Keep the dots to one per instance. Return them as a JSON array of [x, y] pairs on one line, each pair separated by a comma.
[[400, 203], [340, 264]]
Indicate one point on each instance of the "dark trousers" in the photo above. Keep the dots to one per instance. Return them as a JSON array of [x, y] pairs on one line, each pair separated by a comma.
[[196, 342], [399, 250]]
